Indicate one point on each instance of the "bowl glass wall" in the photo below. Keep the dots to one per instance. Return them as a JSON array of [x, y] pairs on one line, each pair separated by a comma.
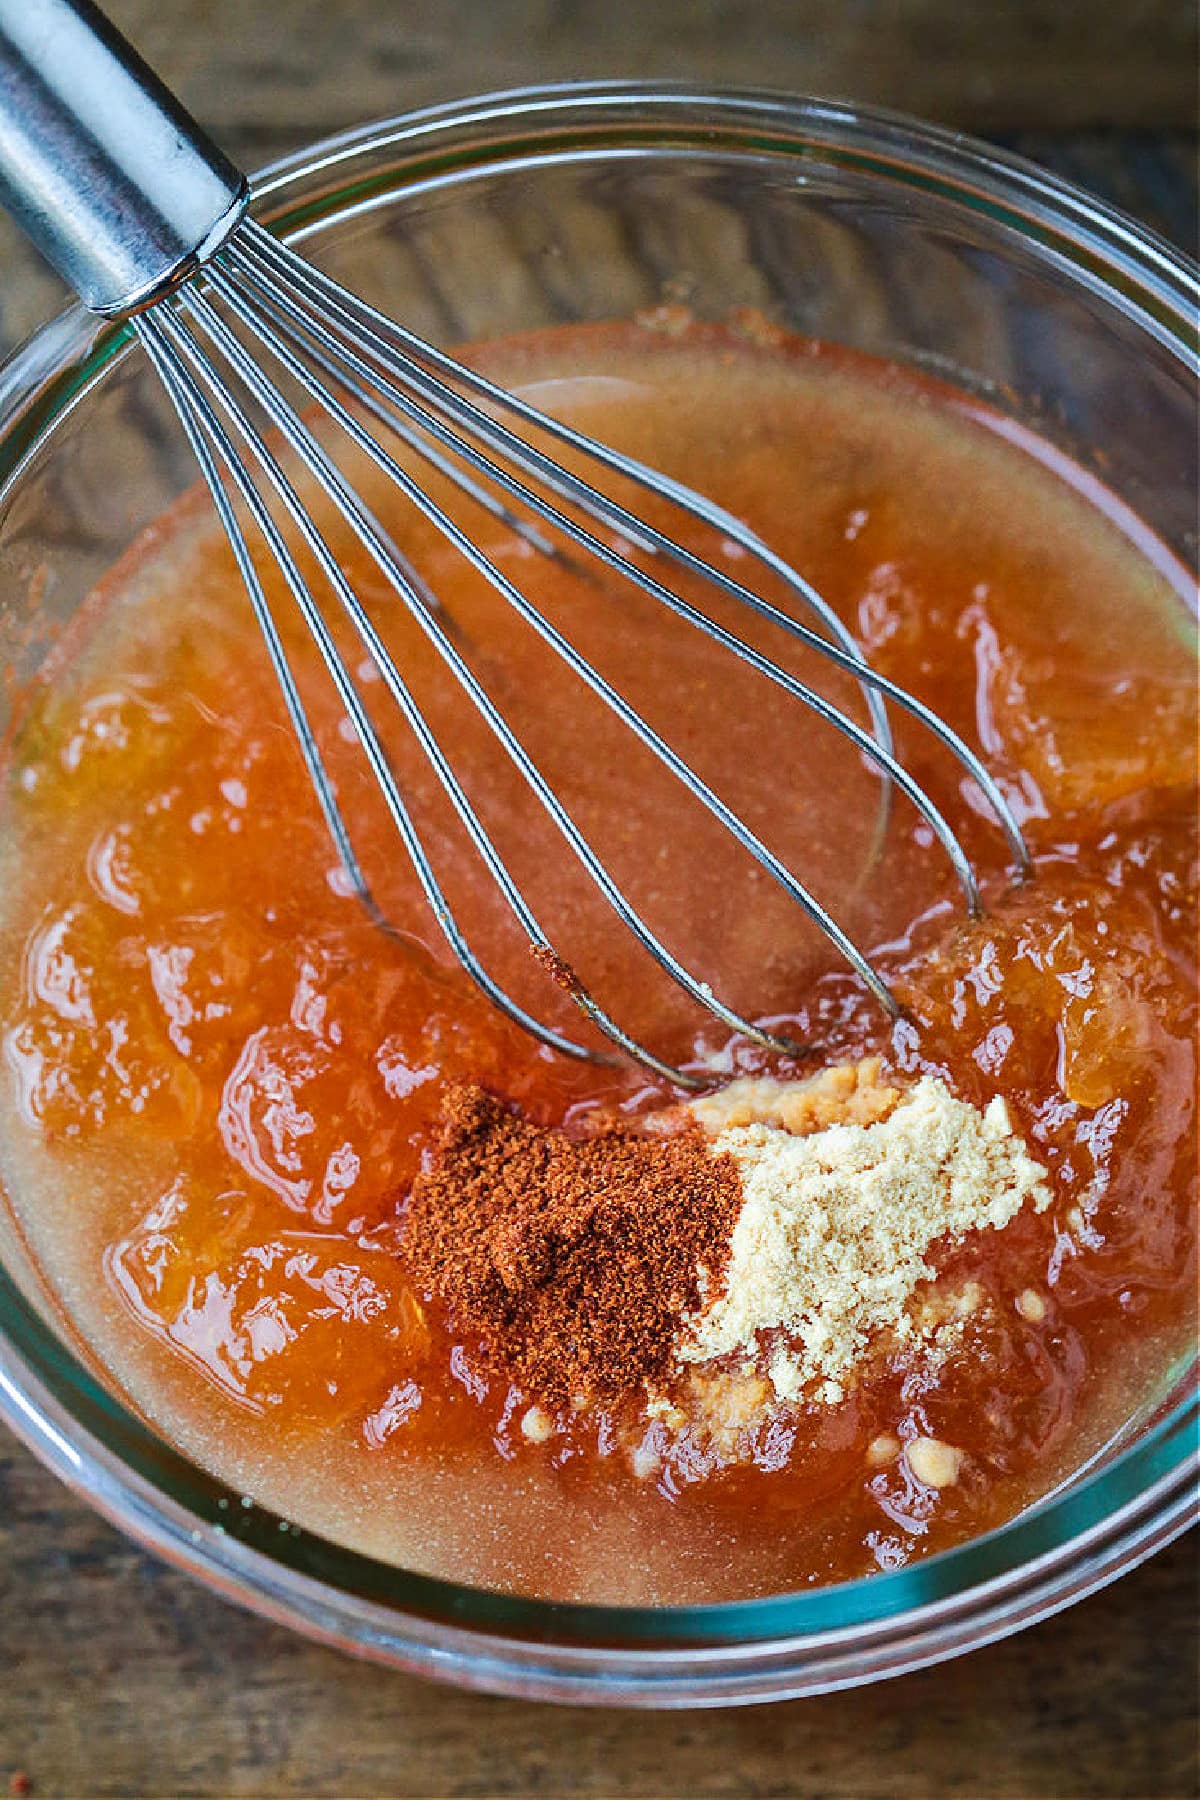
[[527, 210]]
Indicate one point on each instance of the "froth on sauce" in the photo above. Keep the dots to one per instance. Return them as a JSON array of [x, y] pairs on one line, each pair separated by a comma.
[[220, 1078]]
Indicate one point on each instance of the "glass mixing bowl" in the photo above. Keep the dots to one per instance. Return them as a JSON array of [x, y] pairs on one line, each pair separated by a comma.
[[517, 211]]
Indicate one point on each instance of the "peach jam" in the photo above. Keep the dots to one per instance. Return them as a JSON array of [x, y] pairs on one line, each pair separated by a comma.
[[220, 1078]]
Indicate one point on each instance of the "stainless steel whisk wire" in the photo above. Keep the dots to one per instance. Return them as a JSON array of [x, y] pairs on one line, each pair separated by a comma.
[[179, 256]]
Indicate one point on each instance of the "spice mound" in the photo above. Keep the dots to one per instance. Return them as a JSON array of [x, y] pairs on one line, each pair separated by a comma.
[[572, 1259], [833, 1238], [774, 1235]]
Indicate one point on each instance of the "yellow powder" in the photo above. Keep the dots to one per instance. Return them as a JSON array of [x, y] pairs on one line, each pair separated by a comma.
[[935, 1464], [847, 1094], [833, 1237]]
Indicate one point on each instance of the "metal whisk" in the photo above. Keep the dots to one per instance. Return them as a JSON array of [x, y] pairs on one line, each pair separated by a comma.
[[148, 221]]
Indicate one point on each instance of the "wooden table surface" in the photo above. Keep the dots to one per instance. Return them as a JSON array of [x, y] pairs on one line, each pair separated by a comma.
[[118, 1675]]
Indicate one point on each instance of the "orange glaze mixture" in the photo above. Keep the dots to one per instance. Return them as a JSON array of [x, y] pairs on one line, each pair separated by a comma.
[[220, 1077]]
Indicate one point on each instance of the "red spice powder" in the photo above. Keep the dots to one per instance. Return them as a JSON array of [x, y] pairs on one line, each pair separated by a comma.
[[571, 1258]]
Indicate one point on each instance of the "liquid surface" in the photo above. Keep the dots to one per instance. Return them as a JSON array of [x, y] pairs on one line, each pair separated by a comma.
[[220, 1076]]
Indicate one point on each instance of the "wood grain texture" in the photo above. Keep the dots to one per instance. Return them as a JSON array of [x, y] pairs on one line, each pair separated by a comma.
[[1070, 64], [117, 1675], [121, 1677]]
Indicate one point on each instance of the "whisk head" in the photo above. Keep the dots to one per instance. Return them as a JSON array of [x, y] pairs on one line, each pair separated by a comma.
[[262, 313]]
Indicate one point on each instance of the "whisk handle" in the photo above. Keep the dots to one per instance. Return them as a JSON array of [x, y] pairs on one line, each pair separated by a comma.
[[99, 164]]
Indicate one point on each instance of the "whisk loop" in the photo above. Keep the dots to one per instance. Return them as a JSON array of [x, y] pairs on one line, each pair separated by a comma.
[[356, 365]]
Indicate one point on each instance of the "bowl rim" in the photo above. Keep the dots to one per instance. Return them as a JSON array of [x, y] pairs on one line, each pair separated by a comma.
[[1070, 1542], [921, 143]]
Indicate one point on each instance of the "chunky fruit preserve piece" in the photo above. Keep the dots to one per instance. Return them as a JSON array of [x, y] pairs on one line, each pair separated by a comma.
[[249, 1138]]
